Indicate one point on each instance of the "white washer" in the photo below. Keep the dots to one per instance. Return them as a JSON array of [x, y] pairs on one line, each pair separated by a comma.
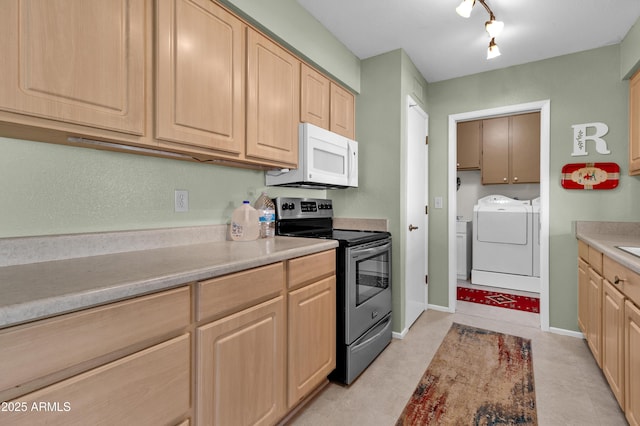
[[503, 236], [535, 205]]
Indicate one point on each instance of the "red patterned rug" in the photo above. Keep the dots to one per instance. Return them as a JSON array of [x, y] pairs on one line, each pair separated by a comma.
[[501, 300], [476, 377]]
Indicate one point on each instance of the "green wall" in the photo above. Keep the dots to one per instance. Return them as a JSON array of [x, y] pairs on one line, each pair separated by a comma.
[[55, 189], [583, 88], [630, 52]]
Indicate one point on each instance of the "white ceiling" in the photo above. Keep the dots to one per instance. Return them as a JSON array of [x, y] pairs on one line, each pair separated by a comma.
[[444, 45]]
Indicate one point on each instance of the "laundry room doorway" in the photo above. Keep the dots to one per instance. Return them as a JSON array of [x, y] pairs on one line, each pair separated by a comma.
[[528, 192]]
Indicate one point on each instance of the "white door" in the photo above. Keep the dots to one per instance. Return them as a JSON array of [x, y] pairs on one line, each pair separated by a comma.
[[415, 215]]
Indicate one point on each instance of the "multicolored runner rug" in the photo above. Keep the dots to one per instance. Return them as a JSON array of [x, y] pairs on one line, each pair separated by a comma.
[[477, 377], [501, 300]]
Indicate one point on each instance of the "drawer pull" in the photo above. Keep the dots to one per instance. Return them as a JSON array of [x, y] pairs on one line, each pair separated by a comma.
[[617, 280]]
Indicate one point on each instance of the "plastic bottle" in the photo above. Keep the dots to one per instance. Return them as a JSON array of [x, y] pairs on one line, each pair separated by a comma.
[[244, 223], [267, 211]]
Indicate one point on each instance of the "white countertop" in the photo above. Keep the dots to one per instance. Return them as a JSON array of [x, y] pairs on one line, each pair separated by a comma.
[[43, 289]]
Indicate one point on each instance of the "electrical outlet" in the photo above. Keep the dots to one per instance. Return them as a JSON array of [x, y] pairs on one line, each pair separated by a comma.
[[181, 200]]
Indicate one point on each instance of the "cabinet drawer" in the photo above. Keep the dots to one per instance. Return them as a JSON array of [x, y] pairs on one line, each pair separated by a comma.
[[583, 250], [230, 293], [35, 350], [311, 268], [151, 387], [595, 260], [628, 281]]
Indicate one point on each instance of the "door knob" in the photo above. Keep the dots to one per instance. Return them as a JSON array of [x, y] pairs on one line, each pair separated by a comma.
[[411, 228]]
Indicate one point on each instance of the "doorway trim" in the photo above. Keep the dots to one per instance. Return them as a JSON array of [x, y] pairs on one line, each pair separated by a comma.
[[544, 106]]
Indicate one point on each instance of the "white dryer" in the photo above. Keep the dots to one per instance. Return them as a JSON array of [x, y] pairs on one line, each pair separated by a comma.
[[535, 205], [503, 236]]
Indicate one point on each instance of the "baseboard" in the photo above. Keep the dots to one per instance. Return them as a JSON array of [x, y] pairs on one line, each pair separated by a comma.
[[564, 332], [441, 308], [506, 281], [399, 335]]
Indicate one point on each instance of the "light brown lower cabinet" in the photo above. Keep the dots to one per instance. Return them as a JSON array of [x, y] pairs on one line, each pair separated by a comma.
[[151, 387], [240, 349], [632, 363], [612, 324], [583, 295], [266, 350], [241, 367], [613, 339], [123, 363], [312, 337], [594, 330]]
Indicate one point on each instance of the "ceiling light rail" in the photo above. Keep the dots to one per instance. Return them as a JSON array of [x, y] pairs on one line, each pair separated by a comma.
[[492, 26]]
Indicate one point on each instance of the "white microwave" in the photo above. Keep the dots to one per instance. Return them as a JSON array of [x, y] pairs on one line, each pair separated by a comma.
[[325, 160]]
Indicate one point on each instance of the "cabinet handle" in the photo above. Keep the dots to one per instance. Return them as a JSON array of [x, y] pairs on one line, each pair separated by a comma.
[[515, 179], [504, 179], [617, 280]]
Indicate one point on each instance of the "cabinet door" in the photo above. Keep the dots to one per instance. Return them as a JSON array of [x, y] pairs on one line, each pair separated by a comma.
[[461, 254], [241, 367], [634, 124], [273, 101], [342, 112], [594, 327], [151, 387], [495, 150], [76, 61], [314, 97], [312, 337], [200, 73], [632, 363], [469, 143], [583, 295], [613, 339], [525, 148]]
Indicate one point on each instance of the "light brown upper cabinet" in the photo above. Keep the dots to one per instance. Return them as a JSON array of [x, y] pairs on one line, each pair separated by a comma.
[[511, 149], [273, 101], [315, 91], [634, 124], [469, 142], [342, 112], [326, 104], [74, 61], [200, 78]]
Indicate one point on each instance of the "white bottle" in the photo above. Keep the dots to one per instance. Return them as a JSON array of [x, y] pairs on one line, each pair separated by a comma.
[[267, 211], [244, 223]]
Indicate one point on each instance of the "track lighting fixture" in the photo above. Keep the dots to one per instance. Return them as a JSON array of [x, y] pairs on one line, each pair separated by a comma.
[[493, 27]]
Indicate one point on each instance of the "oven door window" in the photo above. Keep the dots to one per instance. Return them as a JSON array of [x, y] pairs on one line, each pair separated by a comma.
[[372, 276]]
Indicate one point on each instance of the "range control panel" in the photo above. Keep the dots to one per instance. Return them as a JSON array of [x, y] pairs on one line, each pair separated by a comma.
[[301, 208]]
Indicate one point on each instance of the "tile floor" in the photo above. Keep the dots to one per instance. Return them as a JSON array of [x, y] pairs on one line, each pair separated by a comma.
[[570, 389]]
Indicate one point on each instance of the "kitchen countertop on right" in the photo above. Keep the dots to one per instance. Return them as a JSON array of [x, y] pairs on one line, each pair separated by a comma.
[[606, 236]]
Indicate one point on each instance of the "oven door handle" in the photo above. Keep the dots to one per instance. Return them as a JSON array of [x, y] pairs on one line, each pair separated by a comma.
[[372, 250]]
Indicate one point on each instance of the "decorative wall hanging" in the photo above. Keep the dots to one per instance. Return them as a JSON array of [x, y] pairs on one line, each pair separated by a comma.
[[590, 176], [580, 138]]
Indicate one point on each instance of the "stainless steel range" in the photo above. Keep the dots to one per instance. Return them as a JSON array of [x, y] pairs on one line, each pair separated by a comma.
[[363, 263]]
